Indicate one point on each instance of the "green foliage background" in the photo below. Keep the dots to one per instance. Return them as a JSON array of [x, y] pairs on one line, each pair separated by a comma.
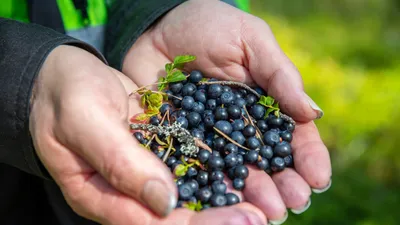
[[348, 52]]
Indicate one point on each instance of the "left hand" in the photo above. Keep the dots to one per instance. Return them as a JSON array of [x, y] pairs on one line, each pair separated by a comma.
[[232, 45]]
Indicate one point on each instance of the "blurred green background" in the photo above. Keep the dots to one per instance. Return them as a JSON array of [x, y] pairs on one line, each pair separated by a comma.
[[348, 52]]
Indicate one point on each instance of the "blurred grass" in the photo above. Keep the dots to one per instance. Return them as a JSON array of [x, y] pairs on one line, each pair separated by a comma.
[[348, 52]]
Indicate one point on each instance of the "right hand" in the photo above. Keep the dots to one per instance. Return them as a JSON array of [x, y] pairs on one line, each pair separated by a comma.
[[79, 127]]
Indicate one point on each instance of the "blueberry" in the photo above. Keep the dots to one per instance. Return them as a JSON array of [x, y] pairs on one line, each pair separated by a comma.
[[169, 94], [154, 120], [218, 200], [232, 199], [217, 176], [215, 163], [193, 184], [202, 177], [289, 127], [221, 113], [204, 194], [218, 187], [249, 131], [282, 149], [197, 133], [175, 87], [183, 122], [238, 137], [243, 91], [251, 99], [251, 157], [191, 172], [227, 98], [286, 136], [263, 164], [277, 164], [192, 199], [262, 126], [240, 159], [224, 126], [160, 154], [271, 138], [241, 172], [219, 143], [234, 112], [237, 94], [231, 148], [211, 104], [203, 156], [241, 102], [189, 89], [200, 96], [209, 121], [231, 160], [238, 184], [214, 91], [177, 102], [180, 204], [215, 153], [274, 121], [289, 161], [226, 88], [139, 136], [259, 90], [207, 112], [231, 173], [266, 152], [238, 125], [253, 143], [171, 160], [164, 108], [258, 112], [180, 181], [198, 107], [185, 191], [194, 119], [182, 113], [195, 76]]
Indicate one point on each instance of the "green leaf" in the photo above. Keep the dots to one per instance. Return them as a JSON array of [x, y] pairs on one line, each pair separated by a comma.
[[266, 100], [142, 117], [160, 142], [199, 206], [180, 170], [155, 100], [277, 113], [176, 76], [184, 59], [190, 206], [143, 100], [169, 67], [269, 110], [276, 105], [162, 84]]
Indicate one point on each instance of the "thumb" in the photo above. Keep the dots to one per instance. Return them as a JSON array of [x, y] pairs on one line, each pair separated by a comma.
[[272, 70]]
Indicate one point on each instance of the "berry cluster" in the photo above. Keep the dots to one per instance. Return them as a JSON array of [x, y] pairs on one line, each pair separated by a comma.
[[235, 129]]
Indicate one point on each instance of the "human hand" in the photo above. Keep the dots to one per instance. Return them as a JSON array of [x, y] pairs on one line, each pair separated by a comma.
[[232, 45], [79, 125]]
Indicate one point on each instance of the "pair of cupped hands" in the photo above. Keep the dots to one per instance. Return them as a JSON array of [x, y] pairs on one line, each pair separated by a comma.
[[81, 110]]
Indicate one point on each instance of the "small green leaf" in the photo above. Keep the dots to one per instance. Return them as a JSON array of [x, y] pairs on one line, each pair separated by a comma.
[[180, 170], [184, 59], [266, 100], [269, 110], [276, 105], [169, 67], [176, 76], [204, 79], [199, 206], [162, 83], [155, 100], [190, 206], [142, 117], [143, 100], [277, 113]]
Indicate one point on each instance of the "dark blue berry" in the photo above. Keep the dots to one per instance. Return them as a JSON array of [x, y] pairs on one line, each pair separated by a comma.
[[191, 172], [194, 119], [238, 137], [214, 91], [203, 156], [154, 120], [237, 94], [204, 194], [227, 98], [231, 148], [277, 164], [197, 133], [271, 138], [263, 164], [253, 143], [238, 125], [218, 200], [266, 152], [232, 199], [177, 102], [185, 191], [251, 157], [215, 153], [207, 112], [164, 108], [226, 88], [187, 103], [258, 112], [217, 176], [241, 172], [231, 160], [249, 131], [238, 184], [211, 104], [198, 107], [259, 90], [231, 173], [175, 87], [200, 96], [262, 126], [169, 94], [215, 163], [218, 187], [251, 99], [182, 113], [234, 112], [195, 76], [202, 177], [219, 143], [180, 181], [289, 161], [241, 102], [193, 184], [286, 136], [289, 127], [224, 126], [221, 113], [282, 149], [171, 160], [274, 121], [139, 136], [189, 89], [209, 121], [240, 159], [183, 122]]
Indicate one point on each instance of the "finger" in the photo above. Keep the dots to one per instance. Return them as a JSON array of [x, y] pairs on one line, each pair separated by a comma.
[[294, 190], [261, 191], [311, 157], [273, 70]]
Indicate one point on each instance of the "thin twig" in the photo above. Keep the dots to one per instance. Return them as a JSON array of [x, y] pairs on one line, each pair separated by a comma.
[[169, 150], [198, 164], [202, 145], [143, 87], [232, 83], [229, 139], [151, 139], [258, 132]]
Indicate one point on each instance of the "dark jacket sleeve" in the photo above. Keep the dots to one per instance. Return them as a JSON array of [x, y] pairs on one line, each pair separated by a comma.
[[127, 21], [23, 49]]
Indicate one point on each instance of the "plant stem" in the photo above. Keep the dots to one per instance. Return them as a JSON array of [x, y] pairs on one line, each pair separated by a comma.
[[157, 83], [169, 150], [258, 132], [229, 139]]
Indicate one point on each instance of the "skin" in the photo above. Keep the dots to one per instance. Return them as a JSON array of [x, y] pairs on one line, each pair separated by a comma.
[[80, 111]]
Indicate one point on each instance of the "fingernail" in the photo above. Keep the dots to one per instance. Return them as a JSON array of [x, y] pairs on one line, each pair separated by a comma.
[[322, 190], [302, 209], [315, 107], [158, 197], [279, 222]]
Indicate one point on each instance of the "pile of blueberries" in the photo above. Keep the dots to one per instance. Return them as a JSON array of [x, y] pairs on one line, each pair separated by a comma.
[[263, 143]]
